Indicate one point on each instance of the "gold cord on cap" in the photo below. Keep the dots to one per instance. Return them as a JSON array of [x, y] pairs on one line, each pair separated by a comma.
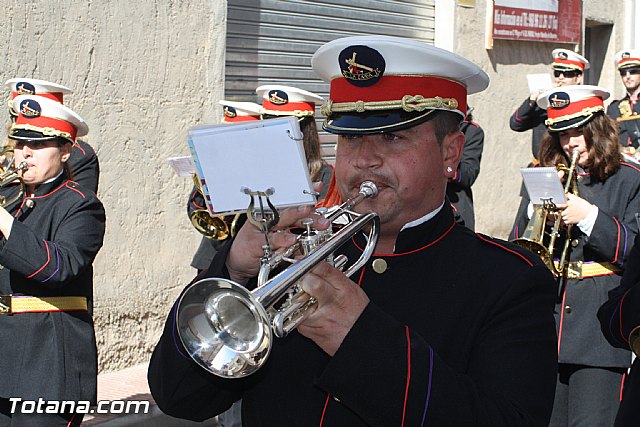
[[584, 112], [408, 103], [46, 131]]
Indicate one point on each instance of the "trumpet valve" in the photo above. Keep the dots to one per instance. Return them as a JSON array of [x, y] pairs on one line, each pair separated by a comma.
[[310, 238]]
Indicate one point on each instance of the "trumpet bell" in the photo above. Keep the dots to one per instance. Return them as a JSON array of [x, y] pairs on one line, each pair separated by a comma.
[[223, 328]]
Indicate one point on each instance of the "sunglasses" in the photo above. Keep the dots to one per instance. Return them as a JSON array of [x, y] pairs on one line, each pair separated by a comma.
[[631, 71], [567, 73]]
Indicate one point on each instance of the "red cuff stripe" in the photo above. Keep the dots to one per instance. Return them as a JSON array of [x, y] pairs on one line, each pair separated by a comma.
[[46, 245]]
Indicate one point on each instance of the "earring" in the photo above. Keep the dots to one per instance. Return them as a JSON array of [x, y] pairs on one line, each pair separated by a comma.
[[449, 170]]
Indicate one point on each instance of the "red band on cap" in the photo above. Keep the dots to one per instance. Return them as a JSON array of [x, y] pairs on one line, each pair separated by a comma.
[[56, 96], [625, 60], [240, 119], [569, 62], [48, 122], [574, 107], [393, 88], [289, 106]]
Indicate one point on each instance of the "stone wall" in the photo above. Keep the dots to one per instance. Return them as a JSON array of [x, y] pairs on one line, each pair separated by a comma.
[[142, 73]]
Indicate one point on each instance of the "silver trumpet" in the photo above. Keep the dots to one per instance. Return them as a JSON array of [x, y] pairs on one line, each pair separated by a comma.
[[229, 330]]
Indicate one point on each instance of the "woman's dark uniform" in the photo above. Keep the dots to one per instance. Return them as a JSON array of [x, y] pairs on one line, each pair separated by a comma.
[[49, 253]]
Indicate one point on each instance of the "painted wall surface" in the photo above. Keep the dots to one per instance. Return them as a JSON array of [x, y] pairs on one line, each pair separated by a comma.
[[142, 73]]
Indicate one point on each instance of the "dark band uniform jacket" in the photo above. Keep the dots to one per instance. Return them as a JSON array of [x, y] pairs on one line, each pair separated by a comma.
[[624, 111], [473, 345], [619, 316], [627, 114], [528, 117], [618, 200], [459, 189], [84, 165], [49, 252]]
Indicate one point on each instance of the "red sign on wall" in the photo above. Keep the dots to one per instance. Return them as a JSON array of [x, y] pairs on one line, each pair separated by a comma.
[[537, 20]]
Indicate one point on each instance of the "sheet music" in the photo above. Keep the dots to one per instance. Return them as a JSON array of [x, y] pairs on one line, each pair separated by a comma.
[[182, 166], [539, 82], [543, 183], [257, 155]]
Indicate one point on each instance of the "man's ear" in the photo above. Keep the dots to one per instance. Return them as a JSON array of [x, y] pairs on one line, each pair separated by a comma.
[[452, 147], [65, 149]]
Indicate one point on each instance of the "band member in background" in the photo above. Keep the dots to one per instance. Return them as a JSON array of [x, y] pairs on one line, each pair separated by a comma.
[[282, 101], [83, 163], [601, 214], [233, 112], [84, 166], [414, 339], [620, 323], [625, 111], [49, 238], [459, 186], [568, 68]]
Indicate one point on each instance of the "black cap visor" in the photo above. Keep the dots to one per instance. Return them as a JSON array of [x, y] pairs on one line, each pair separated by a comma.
[[371, 122], [572, 123]]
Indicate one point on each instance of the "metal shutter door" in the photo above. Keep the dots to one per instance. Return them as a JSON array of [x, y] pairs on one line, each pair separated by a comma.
[[272, 41]]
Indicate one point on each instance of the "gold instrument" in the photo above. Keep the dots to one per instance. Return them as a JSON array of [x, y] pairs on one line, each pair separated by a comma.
[[10, 176], [6, 158], [214, 227], [228, 330], [534, 236]]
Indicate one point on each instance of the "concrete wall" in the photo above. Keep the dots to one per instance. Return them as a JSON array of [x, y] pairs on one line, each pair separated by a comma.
[[142, 73], [496, 192]]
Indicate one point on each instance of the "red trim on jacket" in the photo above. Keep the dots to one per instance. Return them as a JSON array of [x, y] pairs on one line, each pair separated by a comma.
[[406, 390], [45, 264], [485, 239]]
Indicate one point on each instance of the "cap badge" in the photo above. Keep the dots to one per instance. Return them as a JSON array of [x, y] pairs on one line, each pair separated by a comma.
[[230, 112], [559, 100], [563, 55], [24, 88], [626, 55], [278, 97], [361, 65], [30, 108]]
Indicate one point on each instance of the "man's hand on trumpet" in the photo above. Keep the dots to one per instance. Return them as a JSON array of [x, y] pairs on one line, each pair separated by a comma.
[[243, 262], [340, 302]]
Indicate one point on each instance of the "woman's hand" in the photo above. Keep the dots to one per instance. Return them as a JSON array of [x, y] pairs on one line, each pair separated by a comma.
[[6, 222], [576, 209]]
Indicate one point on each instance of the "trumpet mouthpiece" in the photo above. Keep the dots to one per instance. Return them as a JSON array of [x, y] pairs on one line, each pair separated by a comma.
[[368, 189]]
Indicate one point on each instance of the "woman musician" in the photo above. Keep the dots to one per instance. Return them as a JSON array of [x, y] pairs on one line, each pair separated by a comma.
[[50, 232], [600, 217]]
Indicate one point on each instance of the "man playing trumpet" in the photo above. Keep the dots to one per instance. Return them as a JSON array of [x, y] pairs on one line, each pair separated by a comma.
[[441, 326]]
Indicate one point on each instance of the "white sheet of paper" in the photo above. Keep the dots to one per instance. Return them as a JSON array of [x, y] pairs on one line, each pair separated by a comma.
[[257, 155], [539, 82], [543, 183], [183, 166]]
